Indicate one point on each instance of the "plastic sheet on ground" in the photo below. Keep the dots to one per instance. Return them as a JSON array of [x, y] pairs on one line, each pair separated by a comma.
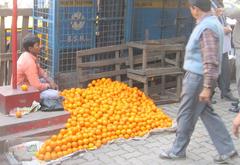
[[21, 151], [26, 110]]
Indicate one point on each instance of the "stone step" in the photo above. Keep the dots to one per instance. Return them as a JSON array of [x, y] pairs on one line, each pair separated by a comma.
[[30, 122], [40, 132], [32, 125]]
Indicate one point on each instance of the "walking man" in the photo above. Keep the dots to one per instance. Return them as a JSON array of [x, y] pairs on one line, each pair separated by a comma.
[[224, 79], [202, 65]]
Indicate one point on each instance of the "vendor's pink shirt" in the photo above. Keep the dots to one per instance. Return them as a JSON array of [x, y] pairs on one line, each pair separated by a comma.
[[29, 72]]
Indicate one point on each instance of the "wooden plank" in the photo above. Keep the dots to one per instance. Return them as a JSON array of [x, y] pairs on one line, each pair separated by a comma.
[[2, 35], [21, 12], [174, 40], [101, 75], [2, 49], [138, 45], [136, 77], [100, 50], [79, 69], [138, 72], [163, 80], [130, 56], [101, 63], [138, 59], [169, 47], [154, 43], [170, 61], [25, 25], [117, 66], [5, 57], [151, 72], [178, 57], [163, 71], [8, 73], [165, 101], [131, 63], [144, 60]]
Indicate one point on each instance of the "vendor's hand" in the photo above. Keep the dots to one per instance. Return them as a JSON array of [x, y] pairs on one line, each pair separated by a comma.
[[227, 29], [53, 85], [205, 95], [236, 125]]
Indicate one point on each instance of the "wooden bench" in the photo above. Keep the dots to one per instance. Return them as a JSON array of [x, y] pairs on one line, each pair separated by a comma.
[[169, 52], [103, 57]]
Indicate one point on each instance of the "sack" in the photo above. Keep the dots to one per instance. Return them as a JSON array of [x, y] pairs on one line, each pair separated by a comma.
[[50, 104]]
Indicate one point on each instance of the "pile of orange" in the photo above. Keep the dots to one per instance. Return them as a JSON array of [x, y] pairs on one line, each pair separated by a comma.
[[105, 111]]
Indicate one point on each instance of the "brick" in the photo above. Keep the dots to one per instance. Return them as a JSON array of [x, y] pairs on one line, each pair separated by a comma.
[[116, 153], [105, 158], [95, 162], [136, 161], [137, 142], [148, 157], [194, 157], [97, 151], [142, 149], [132, 155], [151, 160], [106, 149], [151, 145], [114, 146], [128, 148], [151, 140], [89, 156], [74, 162], [120, 160]]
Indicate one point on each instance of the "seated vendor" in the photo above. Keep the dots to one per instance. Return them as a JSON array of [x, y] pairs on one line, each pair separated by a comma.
[[29, 71]]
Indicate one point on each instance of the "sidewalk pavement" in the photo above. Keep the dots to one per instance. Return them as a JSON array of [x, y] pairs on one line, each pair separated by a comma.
[[145, 152]]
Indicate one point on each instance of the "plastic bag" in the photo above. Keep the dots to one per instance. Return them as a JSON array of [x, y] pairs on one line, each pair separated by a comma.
[[52, 104]]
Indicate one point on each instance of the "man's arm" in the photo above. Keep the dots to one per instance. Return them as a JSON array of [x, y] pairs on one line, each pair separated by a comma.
[[210, 58], [33, 78], [48, 79], [236, 125]]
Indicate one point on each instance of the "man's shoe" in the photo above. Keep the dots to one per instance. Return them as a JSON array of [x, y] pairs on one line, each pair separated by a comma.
[[225, 159], [174, 127], [234, 107], [213, 101], [229, 97], [170, 155]]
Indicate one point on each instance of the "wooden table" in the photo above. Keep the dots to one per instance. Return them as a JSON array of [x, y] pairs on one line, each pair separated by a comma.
[[163, 50]]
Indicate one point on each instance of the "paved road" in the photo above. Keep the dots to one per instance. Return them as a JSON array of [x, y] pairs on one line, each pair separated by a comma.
[[145, 152]]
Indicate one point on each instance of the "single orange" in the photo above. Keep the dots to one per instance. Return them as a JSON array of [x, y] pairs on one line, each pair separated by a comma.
[[18, 114], [24, 87]]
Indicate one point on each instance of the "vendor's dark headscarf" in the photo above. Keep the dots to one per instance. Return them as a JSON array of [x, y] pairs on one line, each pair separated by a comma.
[[204, 5]]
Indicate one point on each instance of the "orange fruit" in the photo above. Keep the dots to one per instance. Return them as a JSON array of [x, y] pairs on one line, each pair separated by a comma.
[[18, 114], [24, 87], [104, 111]]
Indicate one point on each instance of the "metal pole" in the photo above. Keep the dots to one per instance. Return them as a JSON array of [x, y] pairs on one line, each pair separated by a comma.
[[14, 44]]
